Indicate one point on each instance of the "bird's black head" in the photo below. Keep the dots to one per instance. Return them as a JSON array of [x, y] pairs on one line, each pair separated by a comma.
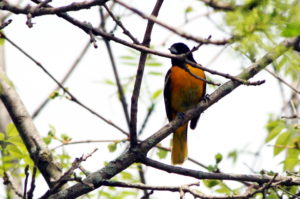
[[180, 48]]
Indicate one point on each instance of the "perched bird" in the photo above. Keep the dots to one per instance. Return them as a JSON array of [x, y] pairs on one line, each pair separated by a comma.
[[182, 91]]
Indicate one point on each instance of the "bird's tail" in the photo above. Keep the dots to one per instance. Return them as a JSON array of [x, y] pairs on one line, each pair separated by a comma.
[[179, 145]]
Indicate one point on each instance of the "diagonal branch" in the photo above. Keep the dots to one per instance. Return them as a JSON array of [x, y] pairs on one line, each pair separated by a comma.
[[221, 176], [67, 75], [138, 153], [37, 149], [71, 96]]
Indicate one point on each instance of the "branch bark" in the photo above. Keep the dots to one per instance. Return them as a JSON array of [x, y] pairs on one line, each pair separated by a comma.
[[37, 149]]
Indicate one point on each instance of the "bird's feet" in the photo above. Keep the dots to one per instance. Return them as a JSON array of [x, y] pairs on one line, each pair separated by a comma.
[[206, 98], [181, 115]]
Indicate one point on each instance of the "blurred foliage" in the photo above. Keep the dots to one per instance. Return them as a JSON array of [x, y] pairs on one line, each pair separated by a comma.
[[256, 26], [12, 150], [259, 24], [287, 139]]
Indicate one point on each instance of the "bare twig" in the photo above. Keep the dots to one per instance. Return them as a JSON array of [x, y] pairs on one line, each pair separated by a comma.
[[86, 142], [32, 185], [116, 73], [43, 9], [149, 113], [119, 23], [36, 147], [65, 78], [283, 81], [170, 28], [66, 176], [72, 97], [26, 181]]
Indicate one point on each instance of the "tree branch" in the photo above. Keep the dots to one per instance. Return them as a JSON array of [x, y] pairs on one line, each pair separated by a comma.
[[137, 154], [37, 149], [65, 78], [41, 10], [71, 96], [172, 29], [139, 76], [221, 176]]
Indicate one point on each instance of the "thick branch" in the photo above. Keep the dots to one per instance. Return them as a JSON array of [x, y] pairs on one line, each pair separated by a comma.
[[37, 149], [220, 176], [138, 153], [38, 10]]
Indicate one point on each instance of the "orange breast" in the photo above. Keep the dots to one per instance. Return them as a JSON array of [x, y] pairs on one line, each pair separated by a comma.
[[186, 90]]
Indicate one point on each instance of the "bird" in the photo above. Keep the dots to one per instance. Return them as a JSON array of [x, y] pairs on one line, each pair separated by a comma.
[[182, 91]]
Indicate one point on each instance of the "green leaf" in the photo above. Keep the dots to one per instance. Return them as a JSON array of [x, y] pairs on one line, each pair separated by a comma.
[[16, 140], [65, 138], [126, 175], [161, 153], [112, 147], [2, 136], [290, 163], [188, 9], [52, 131], [274, 132], [211, 183], [281, 142], [109, 82], [54, 94], [154, 64], [155, 73], [127, 57], [11, 130], [14, 151], [233, 154], [218, 158], [156, 94], [1, 40], [291, 30]]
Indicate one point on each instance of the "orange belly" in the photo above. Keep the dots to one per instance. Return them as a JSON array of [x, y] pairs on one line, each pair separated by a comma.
[[186, 90]]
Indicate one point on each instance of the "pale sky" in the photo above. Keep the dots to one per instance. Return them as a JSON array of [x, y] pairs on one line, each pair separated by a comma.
[[235, 122]]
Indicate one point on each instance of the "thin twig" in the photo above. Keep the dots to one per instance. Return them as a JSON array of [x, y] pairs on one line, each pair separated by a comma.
[[119, 23], [26, 181], [65, 78], [283, 81], [116, 73], [66, 176], [47, 10], [86, 142], [170, 28], [32, 185], [72, 97], [149, 113]]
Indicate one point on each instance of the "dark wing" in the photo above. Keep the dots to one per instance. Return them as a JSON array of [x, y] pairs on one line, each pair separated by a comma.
[[167, 95], [194, 121]]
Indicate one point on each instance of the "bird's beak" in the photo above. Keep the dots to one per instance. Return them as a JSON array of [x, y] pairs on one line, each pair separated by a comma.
[[173, 50]]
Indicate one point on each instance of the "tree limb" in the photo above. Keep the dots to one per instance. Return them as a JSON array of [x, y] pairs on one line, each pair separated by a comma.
[[137, 154]]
